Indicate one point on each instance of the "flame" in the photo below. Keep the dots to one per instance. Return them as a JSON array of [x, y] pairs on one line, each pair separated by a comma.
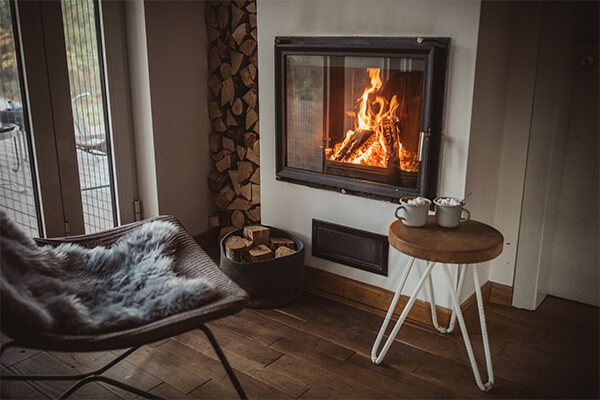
[[375, 113]]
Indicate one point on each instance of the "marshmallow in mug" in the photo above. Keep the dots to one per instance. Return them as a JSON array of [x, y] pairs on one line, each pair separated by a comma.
[[448, 201], [418, 201]]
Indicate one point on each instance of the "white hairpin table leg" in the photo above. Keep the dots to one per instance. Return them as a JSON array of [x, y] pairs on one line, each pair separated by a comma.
[[377, 358], [461, 322], [462, 269]]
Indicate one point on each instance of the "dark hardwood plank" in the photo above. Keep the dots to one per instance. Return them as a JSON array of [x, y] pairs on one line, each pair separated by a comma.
[[562, 376], [223, 389], [319, 348], [44, 363], [167, 391], [338, 324], [257, 370], [255, 326], [175, 364], [16, 389], [124, 371], [563, 318], [322, 384], [342, 334], [15, 354], [298, 311], [380, 384], [240, 345], [250, 325], [427, 354]]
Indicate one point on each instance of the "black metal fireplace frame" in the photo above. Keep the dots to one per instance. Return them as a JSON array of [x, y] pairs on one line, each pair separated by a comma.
[[434, 50]]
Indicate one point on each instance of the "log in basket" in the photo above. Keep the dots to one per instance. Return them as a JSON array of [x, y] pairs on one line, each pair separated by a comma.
[[270, 283]]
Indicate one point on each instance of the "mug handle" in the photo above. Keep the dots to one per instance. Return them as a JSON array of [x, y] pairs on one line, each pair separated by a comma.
[[468, 215], [398, 216]]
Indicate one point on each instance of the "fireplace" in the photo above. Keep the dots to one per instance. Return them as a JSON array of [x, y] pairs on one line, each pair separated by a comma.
[[360, 115]]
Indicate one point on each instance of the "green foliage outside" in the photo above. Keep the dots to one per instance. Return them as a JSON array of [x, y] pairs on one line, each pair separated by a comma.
[[9, 77], [82, 60]]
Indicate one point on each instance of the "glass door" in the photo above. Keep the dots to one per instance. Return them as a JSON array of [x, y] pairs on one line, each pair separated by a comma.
[[18, 183], [52, 54], [81, 21]]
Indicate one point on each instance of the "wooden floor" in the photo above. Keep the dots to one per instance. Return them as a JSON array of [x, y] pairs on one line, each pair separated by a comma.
[[318, 348]]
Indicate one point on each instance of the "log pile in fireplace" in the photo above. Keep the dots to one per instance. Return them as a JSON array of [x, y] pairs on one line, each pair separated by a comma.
[[384, 113]]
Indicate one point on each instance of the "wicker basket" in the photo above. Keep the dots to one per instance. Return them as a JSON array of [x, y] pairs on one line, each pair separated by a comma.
[[270, 283]]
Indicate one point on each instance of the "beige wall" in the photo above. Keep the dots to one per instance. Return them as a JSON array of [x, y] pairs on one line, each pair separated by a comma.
[[574, 260], [168, 72], [177, 49], [520, 86], [489, 105], [548, 123], [559, 236], [516, 149], [293, 207]]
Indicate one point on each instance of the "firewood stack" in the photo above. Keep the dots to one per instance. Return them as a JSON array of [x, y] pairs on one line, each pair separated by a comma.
[[233, 111], [257, 245]]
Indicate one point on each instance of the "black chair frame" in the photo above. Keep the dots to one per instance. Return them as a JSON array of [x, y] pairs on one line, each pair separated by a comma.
[[96, 375]]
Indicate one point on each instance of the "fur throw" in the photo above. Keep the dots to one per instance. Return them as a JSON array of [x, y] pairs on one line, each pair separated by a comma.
[[78, 290]]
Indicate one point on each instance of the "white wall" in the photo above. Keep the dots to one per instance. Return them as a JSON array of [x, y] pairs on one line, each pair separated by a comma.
[[141, 108], [293, 207]]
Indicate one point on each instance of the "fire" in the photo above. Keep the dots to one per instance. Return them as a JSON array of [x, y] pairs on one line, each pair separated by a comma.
[[375, 139]]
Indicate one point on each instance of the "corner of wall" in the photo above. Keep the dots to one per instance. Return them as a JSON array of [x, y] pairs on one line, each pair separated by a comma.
[[141, 107], [487, 118], [520, 85]]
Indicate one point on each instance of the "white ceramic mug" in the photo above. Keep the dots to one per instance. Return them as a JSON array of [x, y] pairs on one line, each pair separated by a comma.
[[450, 216], [413, 215]]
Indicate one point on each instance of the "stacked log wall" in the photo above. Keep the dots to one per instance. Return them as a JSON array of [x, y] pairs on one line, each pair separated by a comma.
[[233, 111]]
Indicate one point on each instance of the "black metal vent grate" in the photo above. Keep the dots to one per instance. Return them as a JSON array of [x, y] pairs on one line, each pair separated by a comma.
[[349, 246]]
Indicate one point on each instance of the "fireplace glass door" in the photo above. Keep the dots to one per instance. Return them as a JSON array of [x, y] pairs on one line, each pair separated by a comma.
[[358, 117], [355, 116]]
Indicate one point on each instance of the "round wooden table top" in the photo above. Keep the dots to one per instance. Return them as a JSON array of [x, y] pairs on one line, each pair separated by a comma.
[[469, 243]]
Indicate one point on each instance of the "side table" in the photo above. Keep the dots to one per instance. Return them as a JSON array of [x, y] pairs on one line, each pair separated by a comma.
[[470, 243]]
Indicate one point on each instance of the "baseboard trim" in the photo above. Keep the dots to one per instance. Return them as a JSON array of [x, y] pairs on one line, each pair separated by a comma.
[[501, 294], [377, 300]]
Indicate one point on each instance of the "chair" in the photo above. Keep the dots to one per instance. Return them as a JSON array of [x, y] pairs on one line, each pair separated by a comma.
[[11, 131], [88, 138], [191, 261]]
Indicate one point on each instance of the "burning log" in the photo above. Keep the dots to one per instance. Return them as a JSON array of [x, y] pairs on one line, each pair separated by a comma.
[[356, 141], [391, 136]]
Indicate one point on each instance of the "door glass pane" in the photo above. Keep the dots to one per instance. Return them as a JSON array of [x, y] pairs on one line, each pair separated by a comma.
[[88, 99], [18, 189]]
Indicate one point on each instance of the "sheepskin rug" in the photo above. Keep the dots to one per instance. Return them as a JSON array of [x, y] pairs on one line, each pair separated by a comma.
[[78, 290]]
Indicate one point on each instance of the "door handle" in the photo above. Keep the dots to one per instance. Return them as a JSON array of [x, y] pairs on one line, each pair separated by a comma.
[[422, 137]]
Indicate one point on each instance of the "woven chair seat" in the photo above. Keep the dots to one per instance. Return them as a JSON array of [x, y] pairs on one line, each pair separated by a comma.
[[191, 261]]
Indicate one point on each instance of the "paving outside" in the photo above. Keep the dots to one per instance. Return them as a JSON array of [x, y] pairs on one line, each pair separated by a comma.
[[17, 194]]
